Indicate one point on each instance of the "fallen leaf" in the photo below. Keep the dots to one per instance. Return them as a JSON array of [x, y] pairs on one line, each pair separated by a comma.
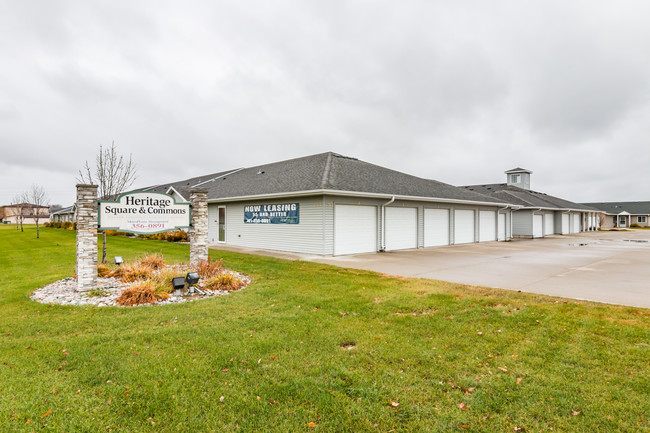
[[273, 357], [49, 411], [519, 379], [576, 412], [394, 403], [259, 398], [479, 333], [312, 425], [503, 369], [463, 425], [225, 370], [271, 401], [462, 406], [519, 428], [222, 398]]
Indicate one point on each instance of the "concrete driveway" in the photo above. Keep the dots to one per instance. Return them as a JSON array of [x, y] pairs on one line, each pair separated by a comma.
[[609, 267]]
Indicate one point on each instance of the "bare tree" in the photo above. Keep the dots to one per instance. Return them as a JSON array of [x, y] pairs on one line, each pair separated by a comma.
[[38, 200], [18, 204], [113, 173]]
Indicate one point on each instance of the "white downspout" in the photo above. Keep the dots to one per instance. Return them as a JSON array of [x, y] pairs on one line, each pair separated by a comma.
[[382, 246]]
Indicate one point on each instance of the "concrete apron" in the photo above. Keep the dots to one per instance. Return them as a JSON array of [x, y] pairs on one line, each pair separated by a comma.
[[608, 267]]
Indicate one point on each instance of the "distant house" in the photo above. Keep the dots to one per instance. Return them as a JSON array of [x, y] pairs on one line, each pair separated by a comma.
[[536, 214], [623, 213], [27, 211], [66, 214]]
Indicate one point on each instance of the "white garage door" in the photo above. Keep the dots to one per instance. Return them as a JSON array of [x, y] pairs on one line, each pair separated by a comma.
[[401, 228], [355, 229], [436, 227], [463, 226], [549, 226], [538, 226], [565, 223], [487, 226], [576, 223], [502, 227]]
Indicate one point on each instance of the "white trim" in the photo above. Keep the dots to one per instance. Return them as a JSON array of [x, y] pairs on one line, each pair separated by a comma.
[[171, 188], [355, 194]]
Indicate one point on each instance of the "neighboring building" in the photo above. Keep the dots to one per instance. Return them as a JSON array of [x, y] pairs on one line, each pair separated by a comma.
[[329, 204], [623, 213], [536, 214], [65, 214], [28, 212]]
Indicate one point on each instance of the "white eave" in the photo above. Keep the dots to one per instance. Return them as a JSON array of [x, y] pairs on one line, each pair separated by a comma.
[[355, 194]]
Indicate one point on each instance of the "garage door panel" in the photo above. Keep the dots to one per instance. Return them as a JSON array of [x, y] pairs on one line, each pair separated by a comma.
[[538, 226], [501, 234], [401, 228], [575, 227], [355, 229], [565, 224], [463, 226], [487, 226], [436, 227], [549, 226]]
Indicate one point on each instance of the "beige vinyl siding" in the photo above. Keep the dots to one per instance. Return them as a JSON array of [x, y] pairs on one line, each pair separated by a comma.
[[305, 237]]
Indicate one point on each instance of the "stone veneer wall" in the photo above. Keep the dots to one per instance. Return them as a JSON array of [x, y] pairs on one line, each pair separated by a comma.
[[199, 229], [86, 237]]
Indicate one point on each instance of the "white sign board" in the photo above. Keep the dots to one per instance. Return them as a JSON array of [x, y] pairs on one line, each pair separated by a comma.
[[144, 213]]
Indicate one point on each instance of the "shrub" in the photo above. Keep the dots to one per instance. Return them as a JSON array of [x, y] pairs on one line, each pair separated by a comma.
[[209, 268], [134, 272], [74, 225], [46, 224], [224, 281], [154, 261], [103, 270], [176, 236], [140, 294], [66, 225]]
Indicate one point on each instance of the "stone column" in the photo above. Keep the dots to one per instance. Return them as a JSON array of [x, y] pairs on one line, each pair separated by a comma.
[[86, 237], [199, 229]]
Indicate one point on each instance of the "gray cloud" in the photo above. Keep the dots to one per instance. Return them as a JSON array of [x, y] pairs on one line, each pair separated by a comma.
[[456, 91]]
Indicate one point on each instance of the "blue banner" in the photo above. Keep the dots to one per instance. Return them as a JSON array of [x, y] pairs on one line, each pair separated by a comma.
[[286, 213]]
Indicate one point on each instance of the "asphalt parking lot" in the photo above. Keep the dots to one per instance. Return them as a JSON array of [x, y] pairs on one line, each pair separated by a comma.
[[608, 267]]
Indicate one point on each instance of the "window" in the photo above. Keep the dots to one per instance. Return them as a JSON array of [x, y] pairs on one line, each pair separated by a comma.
[[515, 178], [641, 219]]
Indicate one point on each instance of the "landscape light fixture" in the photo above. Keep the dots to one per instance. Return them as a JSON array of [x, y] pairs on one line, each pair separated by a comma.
[[178, 283], [119, 260], [191, 278]]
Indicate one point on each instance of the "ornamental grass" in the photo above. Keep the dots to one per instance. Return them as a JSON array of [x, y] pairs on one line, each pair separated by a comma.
[[224, 281], [144, 292], [155, 261], [209, 268]]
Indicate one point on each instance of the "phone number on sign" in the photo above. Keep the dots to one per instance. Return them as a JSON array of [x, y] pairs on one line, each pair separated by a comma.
[[149, 226]]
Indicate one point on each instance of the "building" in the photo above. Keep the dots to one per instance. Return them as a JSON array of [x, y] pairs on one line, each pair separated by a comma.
[[536, 214], [27, 212], [330, 204], [66, 214], [623, 213]]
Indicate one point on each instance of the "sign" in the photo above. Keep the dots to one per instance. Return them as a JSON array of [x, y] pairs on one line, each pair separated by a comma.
[[287, 213], [144, 213]]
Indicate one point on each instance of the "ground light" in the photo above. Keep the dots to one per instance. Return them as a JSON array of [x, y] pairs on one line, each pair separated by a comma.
[[178, 283], [119, 260]]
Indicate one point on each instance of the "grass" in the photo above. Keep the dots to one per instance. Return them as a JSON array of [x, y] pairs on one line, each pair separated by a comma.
[[310, 347]]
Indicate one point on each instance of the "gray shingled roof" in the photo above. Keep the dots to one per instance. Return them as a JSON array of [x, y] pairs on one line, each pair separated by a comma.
[[616, 207], [526, 198], [325, 171]]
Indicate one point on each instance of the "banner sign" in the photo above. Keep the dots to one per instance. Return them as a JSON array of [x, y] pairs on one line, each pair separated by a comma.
[[287, 213], [144, 213]]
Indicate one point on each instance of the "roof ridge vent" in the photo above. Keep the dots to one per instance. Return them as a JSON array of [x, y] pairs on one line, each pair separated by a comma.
[[338, 155]]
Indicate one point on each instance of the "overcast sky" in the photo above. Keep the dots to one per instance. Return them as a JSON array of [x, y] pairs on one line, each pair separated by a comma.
[[457, 91]]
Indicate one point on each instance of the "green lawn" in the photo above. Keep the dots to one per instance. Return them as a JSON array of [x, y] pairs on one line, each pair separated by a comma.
[[455, 358]]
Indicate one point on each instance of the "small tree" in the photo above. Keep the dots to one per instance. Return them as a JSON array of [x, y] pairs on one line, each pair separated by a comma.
[[113, 174], [38, 200], [18, 205]]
